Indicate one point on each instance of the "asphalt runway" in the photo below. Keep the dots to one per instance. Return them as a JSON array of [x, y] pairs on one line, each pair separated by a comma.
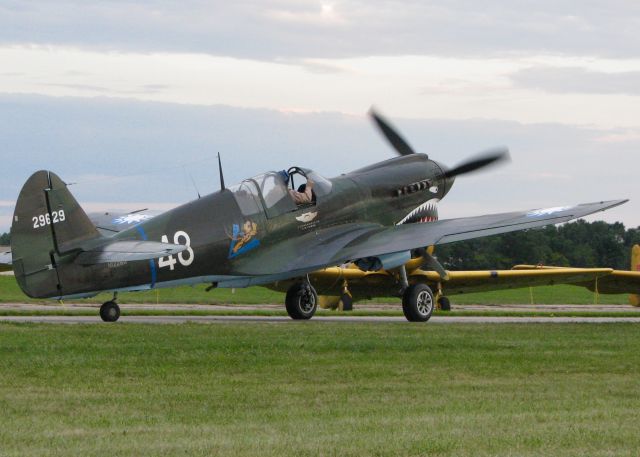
[[283, 320]]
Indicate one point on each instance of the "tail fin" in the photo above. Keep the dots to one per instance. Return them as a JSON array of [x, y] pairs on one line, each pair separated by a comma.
[[634, 299], [47, 223]]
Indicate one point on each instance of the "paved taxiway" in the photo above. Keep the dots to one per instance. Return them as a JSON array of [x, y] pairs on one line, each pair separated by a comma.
[[286, 320]]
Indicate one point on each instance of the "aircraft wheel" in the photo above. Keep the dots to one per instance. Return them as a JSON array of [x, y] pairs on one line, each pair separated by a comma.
[[110, 311], [445, 303], [301, 301], [418, 303], [347, 302]]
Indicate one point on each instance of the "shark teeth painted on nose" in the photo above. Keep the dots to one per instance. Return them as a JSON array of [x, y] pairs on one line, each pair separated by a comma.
[[426, 212]]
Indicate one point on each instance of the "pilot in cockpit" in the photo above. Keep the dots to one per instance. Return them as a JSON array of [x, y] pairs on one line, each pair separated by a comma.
[[304, 194]]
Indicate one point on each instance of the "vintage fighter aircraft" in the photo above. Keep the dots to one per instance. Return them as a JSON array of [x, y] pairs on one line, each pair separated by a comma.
[[254, 233]]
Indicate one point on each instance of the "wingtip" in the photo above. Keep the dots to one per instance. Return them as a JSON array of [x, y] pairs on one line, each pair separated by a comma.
[[618, 202], [608, 204]]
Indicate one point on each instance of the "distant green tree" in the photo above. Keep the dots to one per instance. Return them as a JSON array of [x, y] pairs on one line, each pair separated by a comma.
[[579, 244], [5, 239]]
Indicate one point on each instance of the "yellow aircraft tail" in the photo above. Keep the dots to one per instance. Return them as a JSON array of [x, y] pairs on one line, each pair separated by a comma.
[[634, 299]]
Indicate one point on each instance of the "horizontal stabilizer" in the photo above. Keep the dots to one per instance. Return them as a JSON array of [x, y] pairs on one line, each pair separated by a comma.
[[127, 251]]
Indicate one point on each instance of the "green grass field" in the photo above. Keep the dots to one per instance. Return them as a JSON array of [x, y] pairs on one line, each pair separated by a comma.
[[560, 294], [330, 389]]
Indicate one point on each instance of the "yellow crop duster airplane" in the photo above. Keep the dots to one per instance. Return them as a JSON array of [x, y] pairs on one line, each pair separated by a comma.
[[339, 287]]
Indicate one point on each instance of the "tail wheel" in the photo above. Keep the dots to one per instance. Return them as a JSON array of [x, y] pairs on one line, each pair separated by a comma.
[[418, 303], [301, 301], [110, 311]]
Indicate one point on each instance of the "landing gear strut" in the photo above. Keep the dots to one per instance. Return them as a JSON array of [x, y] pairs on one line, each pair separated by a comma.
[[110, 311], [301, 301]]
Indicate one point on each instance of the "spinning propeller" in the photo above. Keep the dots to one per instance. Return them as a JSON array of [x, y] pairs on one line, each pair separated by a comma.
[[489, 157]]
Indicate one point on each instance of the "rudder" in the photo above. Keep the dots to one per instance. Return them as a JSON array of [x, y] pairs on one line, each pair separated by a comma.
[[48, 223]]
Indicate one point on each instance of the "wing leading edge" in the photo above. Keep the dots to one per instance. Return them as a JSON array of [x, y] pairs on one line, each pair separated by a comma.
[[411, 236]]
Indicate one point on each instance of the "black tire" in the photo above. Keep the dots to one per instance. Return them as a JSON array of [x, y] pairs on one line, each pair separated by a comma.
[[301, 301], [445, 303], [418, 303], [347, 302], [110, 311]]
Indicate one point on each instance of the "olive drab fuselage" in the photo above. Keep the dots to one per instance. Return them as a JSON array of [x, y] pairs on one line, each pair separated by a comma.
[[220, 236]]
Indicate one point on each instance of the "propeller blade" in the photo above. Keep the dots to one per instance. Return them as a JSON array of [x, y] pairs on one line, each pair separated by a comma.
[[480, 161], [392, 136]]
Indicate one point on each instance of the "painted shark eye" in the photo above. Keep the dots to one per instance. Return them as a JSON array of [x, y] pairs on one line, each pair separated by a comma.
[[433, 189]]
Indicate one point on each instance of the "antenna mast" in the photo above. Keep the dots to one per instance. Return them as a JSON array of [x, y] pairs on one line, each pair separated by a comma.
[[221, 175]]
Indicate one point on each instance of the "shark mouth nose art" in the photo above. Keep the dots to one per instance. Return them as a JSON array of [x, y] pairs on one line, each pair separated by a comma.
[[427, 212]]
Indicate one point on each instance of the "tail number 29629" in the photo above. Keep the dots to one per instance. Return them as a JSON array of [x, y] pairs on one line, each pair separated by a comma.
[[47, 219]]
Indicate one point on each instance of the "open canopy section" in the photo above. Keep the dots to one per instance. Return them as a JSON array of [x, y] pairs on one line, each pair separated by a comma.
[[269, 191]]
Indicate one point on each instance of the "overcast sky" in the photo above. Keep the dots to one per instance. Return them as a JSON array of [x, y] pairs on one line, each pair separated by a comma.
[[131, 100]]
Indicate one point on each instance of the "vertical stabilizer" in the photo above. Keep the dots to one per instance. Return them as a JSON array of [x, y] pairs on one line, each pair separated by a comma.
[[48, 223], [634, 299]]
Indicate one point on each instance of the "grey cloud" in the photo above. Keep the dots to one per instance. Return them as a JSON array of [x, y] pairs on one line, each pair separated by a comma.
[[128, 151], [578, 80], [291, 29], [83, 87], [107, 91]]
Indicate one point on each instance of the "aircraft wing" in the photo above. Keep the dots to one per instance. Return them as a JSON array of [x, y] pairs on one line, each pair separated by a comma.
[[349, 242], [411, 236], [478, 281], [617, 282], [458, 282]]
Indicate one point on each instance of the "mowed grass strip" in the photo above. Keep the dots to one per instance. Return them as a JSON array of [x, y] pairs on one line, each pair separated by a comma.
[[319, 389], [369, 312], [546, 295]]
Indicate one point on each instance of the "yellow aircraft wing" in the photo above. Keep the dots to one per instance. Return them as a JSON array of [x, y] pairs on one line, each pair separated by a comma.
[[476, 281], [617, 282], [334, 283]]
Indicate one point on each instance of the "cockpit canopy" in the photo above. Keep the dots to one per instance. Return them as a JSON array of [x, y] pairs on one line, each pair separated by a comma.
[[321, 185], [269, 191]]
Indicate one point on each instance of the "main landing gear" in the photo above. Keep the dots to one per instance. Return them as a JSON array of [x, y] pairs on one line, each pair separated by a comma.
[[301, 301], [110, 311], [418, 303]]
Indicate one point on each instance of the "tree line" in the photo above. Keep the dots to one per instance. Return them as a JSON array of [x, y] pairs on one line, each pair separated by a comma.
[[576, 244]]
